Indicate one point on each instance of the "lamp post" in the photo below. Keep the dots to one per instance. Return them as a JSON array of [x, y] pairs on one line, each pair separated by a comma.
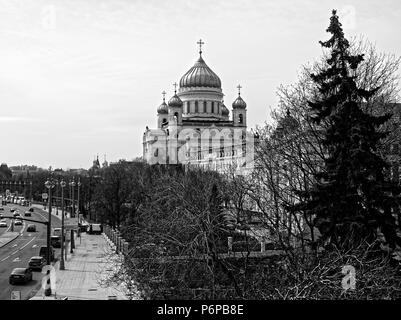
[[30, 192], [49, 185], [78, 232], [72, 184], [57, 184], [62, 185]]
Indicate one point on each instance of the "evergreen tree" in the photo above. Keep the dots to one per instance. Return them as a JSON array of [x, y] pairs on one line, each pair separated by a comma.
[[351, 199]]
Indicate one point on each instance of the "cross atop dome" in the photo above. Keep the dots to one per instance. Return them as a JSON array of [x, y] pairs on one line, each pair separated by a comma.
[[164, 95], [200, 42], [175, 87], [239, 89]]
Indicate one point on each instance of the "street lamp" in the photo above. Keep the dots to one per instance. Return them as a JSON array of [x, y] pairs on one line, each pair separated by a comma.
[[49, 184], [78, 184], [30, 193], [72, 184], [57, 184], [62, 185]]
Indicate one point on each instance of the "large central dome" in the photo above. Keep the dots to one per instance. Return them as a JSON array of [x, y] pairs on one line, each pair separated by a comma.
[[200, 75]]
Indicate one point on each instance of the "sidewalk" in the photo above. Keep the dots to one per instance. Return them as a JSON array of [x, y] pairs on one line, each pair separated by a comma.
[[91, 261]]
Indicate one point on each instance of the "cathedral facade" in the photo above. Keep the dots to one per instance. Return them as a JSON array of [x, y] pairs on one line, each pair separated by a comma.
[[195, 127]]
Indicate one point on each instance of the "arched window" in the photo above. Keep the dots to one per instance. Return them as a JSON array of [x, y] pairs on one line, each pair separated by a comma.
[[164, 121], [196, 106], [221, 146], [187, 107], [212, 106], [176, 115], [240, 118], [204, 107]]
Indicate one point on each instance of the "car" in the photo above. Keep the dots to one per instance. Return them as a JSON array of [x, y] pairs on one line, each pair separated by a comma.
[[20, 275], [57, 232], [16, 214], [37, 263], [28, 214], [1, 208], [18, 222], [83, 227], [31, 228], [95, 228], [31, 209], [1, 215], [13, 209], [55, 241], [43, 252], [3, 224]]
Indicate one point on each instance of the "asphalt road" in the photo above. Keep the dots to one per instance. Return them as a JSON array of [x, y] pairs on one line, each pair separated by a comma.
[[17, 253]]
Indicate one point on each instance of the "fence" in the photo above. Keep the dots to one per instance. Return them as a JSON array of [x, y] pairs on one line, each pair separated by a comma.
[[122, 246], [114, 236]]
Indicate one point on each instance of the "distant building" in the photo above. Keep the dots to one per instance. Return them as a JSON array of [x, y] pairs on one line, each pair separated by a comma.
[[24, 170]]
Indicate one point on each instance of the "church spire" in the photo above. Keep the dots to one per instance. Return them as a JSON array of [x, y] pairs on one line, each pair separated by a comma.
[[200, 42]]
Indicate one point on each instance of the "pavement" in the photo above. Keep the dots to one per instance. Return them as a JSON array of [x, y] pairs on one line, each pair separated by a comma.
[[86, 270]]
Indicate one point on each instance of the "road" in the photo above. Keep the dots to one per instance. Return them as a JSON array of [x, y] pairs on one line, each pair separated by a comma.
[[17, 253]]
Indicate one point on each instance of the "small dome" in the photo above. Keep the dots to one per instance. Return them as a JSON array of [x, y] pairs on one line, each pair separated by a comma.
[[200, 75], [163, 108], [224, 110], [175, 101], [239, 103]]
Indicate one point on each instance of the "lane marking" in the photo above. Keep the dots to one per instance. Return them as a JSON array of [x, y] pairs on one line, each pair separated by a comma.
[[5, 258], [27, 243], [15, 245], [14, 253], [34, 246]]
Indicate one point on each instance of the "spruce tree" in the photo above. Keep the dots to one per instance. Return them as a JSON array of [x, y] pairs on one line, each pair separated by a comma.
[[351, 199]]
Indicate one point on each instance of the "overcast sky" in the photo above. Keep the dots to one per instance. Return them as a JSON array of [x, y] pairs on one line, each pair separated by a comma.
[[84, 77]]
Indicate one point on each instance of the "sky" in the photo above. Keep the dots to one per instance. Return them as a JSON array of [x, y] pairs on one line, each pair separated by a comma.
[[84, 77]]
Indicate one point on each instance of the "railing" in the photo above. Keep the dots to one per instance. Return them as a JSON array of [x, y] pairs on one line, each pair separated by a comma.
[[122, 246], [114, 236]]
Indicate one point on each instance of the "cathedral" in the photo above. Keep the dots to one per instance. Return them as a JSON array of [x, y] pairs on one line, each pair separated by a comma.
[[195, 127]]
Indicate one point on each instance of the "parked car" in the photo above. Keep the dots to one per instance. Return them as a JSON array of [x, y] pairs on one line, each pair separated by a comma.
[[20, 275], [57, 232], [31, 209], [95, 228], [43, 252], [55, 241], [13, 209], [28, 214], [83, 227], [18, 222], [1, 208], [16, 214], [37, 263], [3, 224], [31, 228]]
